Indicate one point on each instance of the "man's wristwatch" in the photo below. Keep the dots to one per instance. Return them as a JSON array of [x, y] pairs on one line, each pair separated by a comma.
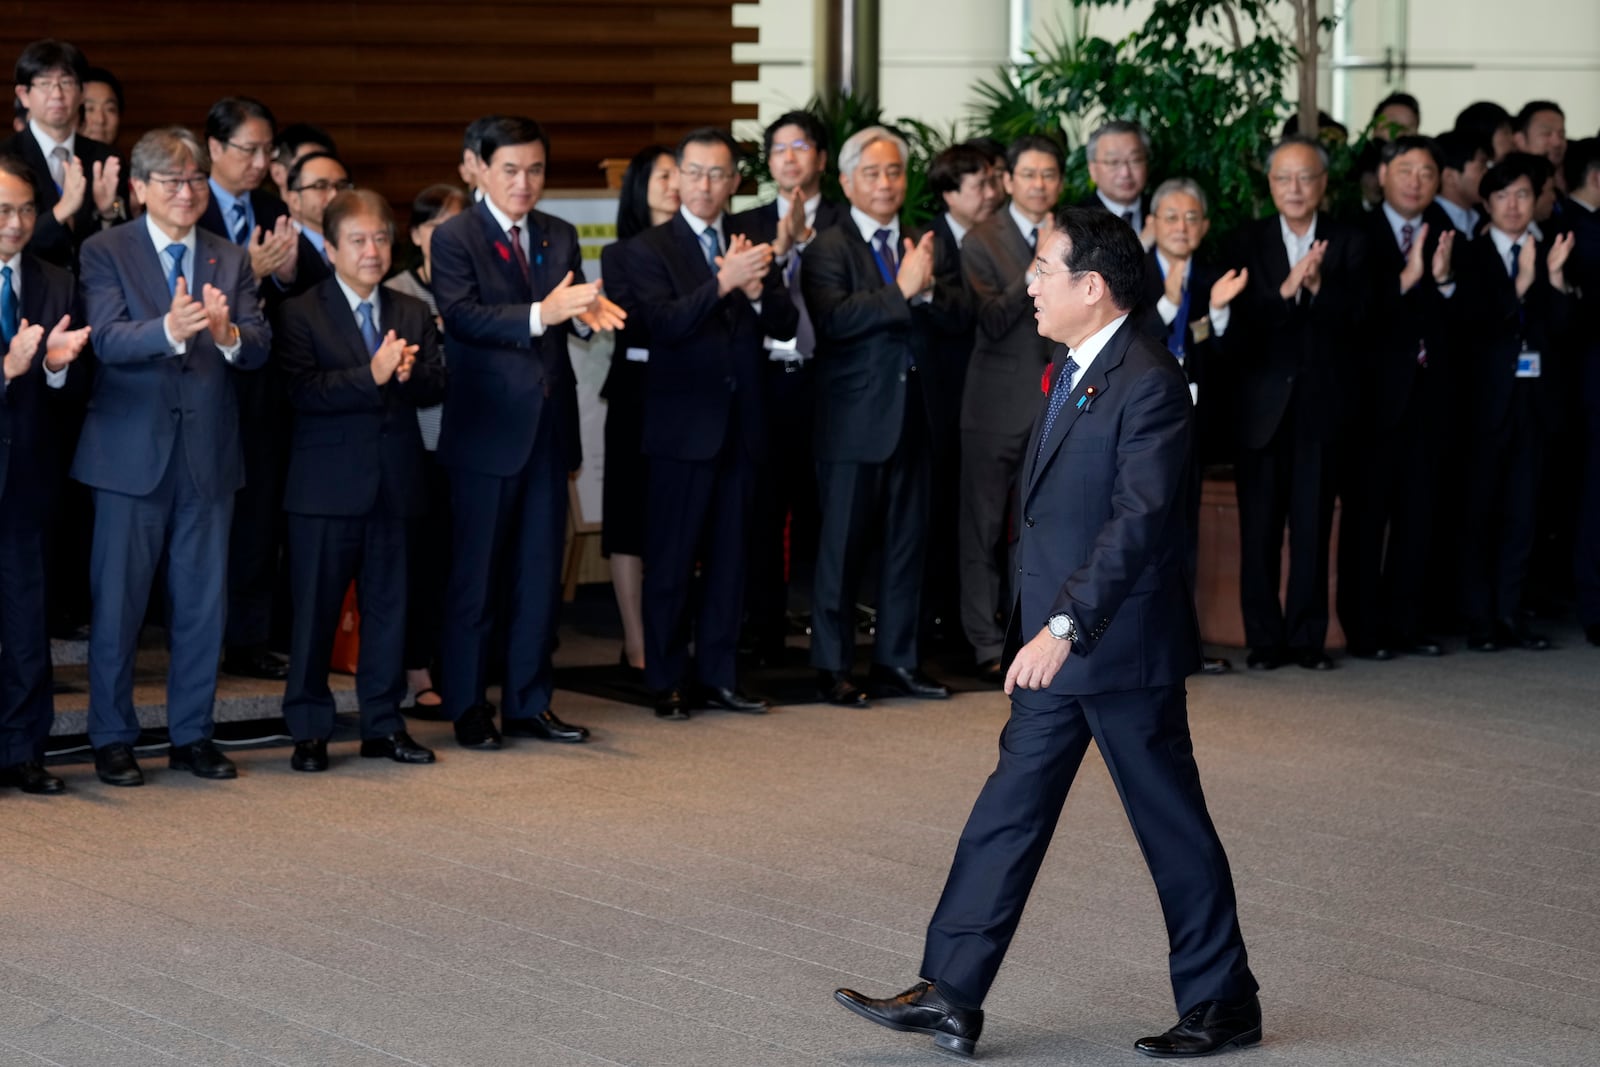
[[1062, 628]]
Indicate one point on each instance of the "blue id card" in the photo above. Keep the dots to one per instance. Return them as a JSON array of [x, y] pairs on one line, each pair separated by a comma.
[[1527, 365]]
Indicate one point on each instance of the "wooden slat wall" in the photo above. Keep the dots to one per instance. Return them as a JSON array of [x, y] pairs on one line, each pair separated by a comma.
[[396, 82]]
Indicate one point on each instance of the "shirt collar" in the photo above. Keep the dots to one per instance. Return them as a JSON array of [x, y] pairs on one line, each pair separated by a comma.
[[225, 201], [870, 226], [161, 241], [1462, 217], [1115, 208], [1085, 353], [958, 231], [15, 263], [48, 144], [1590, 208], [318, 241], [1295, 240], [699, 225], [505, 221], [1503, 241], [1026, 225], [1397, 220], [355, 301], [1166, 266]]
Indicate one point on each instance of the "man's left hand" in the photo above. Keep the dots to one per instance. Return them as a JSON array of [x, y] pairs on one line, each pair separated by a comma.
[[1038, 661]]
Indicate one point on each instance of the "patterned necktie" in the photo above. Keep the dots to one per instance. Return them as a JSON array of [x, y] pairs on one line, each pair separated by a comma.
[[58, 166], [1516, 254], [1033, 239], [883, 248], [369, 329], [711, 246], [522, 256], [1060, 389], [9, 315], [241, 223], [1407, 235], [175, 253]]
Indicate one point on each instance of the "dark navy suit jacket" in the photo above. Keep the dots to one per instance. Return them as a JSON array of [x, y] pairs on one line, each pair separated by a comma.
[[52, 241], [28, 470]]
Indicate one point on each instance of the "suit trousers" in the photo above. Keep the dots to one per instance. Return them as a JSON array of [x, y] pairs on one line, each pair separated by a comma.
[[1502, 497], [428, 552], [784, 508], [131, 535], [990, 463], [697, 513], [1586, 547], [1290, 481], [506, 536], [858, 500], [325, 554], [1143, 735], [256, 540], [26, 708]]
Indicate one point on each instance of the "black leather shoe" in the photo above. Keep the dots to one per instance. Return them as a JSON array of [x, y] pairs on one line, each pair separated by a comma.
[[398, 746], [1513, 633], [920, 1010], [255, 663], [115, 765], [837, 688], [1422, 646], [671, 705], [309, 756], [545, 727], [903, 682], [1214, 665], [1480, 641], [1264, 659], [475, 728], [1314, 659], [1377, 652], [1210, 1027], [31, 777], [203, 759], [732, 700], [992, 671]]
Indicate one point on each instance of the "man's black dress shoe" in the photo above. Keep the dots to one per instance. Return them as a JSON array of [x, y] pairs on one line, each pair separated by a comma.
[[398, 746], [203, 759], [992, 671], [1421, 646], [1314, 659], [31, 777], [1512, 633], [671, 705], [310, 756], [903, 682], [920, 1010], [475, 728], [837, 688], [1209, 1027], [1264, 659], [1482, 642], [1377, 652], [1214, 665], [545, 727], [255, 663], [732, 700], [115, 765]]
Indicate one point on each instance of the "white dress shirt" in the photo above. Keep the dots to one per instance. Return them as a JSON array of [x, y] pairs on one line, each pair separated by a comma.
[[869, 227], [1085, 353], [160, 240]]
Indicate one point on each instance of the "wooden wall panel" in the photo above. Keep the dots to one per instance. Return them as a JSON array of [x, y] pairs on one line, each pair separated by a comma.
[[396, 82]]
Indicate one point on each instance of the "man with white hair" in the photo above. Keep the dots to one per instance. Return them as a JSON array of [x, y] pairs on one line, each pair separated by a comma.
[[876, 295]]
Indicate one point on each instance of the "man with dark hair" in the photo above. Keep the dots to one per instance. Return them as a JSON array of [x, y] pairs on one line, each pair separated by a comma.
[[360, 359], [239, 132], [509, 284], [783, 511], [103, 105], [160, 448], [312, 181], [1110, 634], [1397, 115], [294, 141], [958, 178], [78, 184], [1119, 165], [1540, 129], [1463, 158], [1491, 123], [998, 402], [39, 345], [995, 190], [1582, 166], [707, 302]]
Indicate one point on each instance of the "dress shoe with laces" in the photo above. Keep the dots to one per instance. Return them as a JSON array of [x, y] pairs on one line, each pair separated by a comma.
[[920, 1010], [835, 687], [545, 727], [31, 777], [310, 756], [255, 663], [115, 765], [671, 705], [732, 700], [203, 759], [475, 728], [887, 681], [1264, 659], [398, 746], [1209, 1027]]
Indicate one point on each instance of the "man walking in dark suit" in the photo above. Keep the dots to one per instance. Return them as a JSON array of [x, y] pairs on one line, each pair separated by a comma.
[[1110, 633], [1002, 387], [1297, 323], [707, 303], [39, 348], [355, 485], [875, 299], [509, 284], [160, 448], [785, 500]]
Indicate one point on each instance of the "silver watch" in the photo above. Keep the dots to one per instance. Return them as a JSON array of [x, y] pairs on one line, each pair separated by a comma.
[[1062, 628]]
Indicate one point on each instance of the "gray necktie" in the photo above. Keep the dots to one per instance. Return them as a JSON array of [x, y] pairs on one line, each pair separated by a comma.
[[58, 166]]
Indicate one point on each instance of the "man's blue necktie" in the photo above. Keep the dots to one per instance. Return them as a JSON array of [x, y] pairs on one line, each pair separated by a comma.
[[1060, 389], [712, 246], [10, 317], [175, 253], [1516, 255], [241, 224], [369, 329], [883, 252]]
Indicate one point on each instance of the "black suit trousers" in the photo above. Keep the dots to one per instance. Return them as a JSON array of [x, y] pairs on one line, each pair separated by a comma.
[[784, 508], [255, 542], [1143, 735], [325, 554], [26, 709], [1502, 495]]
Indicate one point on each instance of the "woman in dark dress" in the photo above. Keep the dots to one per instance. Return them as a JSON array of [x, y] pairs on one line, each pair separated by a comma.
[[649, 198]]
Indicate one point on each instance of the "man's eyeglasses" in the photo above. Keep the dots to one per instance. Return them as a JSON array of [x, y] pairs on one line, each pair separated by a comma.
[[799, 148], [323, 185], [171, 185], [12, 211], [252, 150], [716, 174], [67, 84]]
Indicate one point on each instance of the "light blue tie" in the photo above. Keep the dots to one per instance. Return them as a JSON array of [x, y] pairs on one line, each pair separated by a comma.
[[713, 247], [1060, 389], [9, 316], [369, 331], [175, 253], [241, 223]]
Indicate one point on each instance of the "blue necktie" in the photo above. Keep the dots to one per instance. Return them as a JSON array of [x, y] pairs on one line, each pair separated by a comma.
[[708, 239], [175, 253], [241, 224], [883, 252], [1516, 254], [9, 315], [1060, 389], [369, 330]]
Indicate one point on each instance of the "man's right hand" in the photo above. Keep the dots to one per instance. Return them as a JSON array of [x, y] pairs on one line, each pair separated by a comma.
[[19, 357], [568, 301], [74, 187], [1302, 273], [742, 266], [389, 358], [1177, 270], [271, 250], [187, 316], [916, 267]]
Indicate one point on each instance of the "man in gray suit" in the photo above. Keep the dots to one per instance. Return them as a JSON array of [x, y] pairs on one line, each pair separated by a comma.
[[1003, 382], [160, 447]]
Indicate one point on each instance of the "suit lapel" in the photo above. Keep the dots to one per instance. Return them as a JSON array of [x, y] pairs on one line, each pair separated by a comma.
[[34, 155], [498, 243], [150, 273], [343, 323], [691, 253], [1096, 377]]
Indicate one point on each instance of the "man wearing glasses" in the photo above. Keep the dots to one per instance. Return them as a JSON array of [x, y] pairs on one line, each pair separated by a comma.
[[78, 183], [1119, 165], [174, 312], [310, 184]]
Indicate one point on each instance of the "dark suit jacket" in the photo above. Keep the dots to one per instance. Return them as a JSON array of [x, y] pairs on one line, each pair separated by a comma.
[[130, 429], [1397, 323], [502, 381], [950, 351], [1282, 348], [28, 468], [51, 241], [1198, 356], [356, 448], [867, 335], [760, 223], [268, 210], [706, 354], [634, 333], [309, 269], [1008, 355], [1092, 200], [1101, 537], [1583, 273]]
